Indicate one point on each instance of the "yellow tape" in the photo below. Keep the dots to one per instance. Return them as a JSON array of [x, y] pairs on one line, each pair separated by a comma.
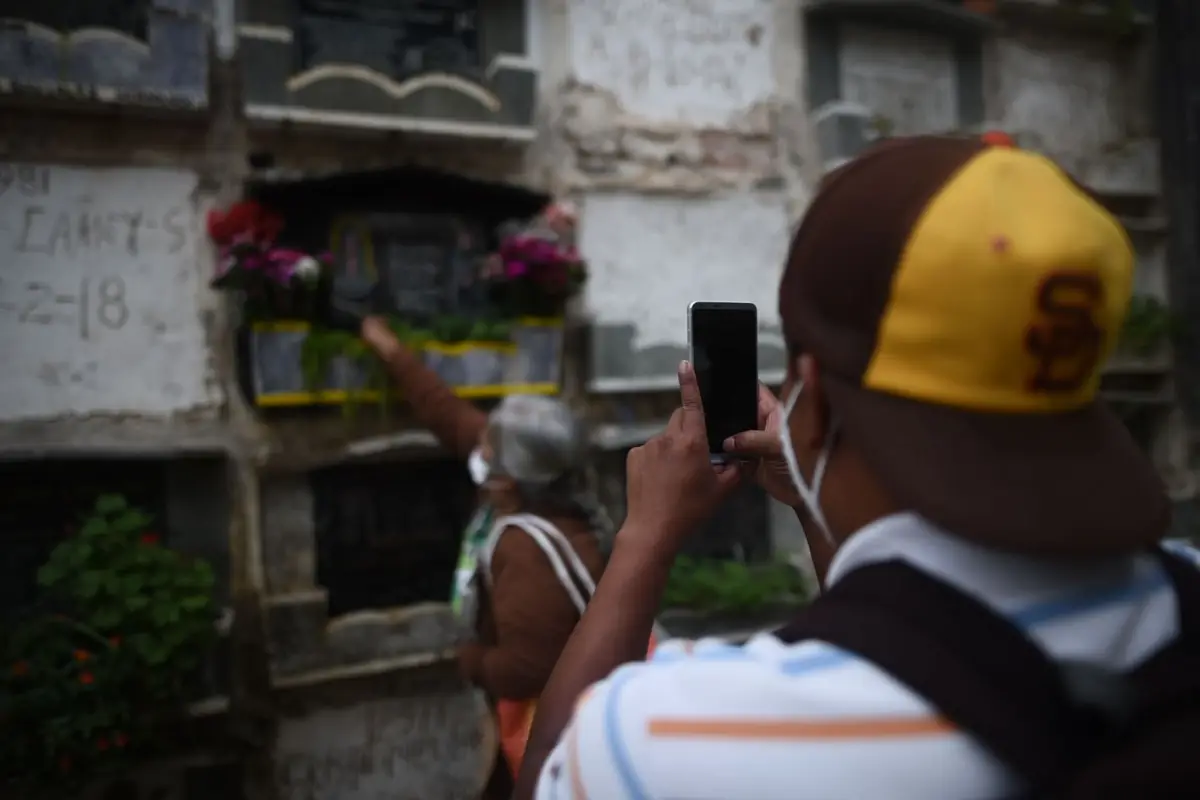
[[341, 396]]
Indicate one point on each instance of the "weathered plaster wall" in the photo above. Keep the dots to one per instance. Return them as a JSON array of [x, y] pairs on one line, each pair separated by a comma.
[[677, 96], [103, 296], [678, 131], [694, 63], [1086, 102], [906, 78], [652, 255], [156, 380], [434, 742], [1083, 100]]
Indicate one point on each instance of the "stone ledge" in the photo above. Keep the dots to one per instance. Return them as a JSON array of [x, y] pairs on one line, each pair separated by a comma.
[[120, 436], [307, 647]]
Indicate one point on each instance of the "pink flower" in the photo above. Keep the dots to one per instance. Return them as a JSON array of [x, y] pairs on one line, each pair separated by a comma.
[[515, 269]]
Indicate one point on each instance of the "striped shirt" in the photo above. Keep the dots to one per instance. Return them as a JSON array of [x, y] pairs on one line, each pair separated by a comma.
[[771, 721]]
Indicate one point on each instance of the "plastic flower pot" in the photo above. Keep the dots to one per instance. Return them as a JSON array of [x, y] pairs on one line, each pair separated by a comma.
[[469, 364], [539, 351]]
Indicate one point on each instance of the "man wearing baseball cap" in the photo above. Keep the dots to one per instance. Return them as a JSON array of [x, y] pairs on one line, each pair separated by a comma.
[[997, 615]]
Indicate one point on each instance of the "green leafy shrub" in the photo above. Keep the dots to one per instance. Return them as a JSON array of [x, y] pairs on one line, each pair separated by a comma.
[[102, 670], [1148, 326], [721, 586]]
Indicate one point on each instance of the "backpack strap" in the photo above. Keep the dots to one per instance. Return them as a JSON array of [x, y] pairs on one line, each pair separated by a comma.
[[1173, 672], [1044, 719], [981, 672], [568, 568]]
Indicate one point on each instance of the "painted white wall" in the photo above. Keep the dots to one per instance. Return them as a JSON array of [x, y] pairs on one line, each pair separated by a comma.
[[649, 256], [688, 62], [100, 291]]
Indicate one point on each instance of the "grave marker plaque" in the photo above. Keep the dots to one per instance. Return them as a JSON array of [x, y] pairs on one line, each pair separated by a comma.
[[397, 38]]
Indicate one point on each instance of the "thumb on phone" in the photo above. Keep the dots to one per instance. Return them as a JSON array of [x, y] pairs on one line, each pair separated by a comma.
[[753, 444]]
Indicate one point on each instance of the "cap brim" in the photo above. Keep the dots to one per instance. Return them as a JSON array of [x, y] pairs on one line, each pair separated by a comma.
[[1070, 484]]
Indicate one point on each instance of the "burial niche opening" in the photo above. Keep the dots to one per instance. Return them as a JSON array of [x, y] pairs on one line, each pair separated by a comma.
[[421, 234], [43, 502], [388, 535]]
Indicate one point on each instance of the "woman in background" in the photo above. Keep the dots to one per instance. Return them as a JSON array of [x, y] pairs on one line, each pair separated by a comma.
[[531, 554]]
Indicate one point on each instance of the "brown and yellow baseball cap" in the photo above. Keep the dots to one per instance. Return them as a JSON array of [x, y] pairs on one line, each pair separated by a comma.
[[961, 299]]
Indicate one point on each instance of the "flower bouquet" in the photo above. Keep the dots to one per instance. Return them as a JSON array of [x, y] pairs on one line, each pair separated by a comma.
[[277, 282], [537, 267]]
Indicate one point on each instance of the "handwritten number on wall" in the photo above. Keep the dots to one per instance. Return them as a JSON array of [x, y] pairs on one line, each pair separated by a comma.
[[40, 303], [26, 179], [113, 312]]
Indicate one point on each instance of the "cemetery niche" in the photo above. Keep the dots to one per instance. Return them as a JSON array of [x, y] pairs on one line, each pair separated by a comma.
[[140, 53], [435, 66], [477, 278]]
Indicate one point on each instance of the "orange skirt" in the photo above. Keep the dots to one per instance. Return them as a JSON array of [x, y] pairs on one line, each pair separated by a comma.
[[515, 718]]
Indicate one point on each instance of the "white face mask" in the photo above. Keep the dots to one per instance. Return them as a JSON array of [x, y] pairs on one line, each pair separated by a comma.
[[811, 495], [478, 466]]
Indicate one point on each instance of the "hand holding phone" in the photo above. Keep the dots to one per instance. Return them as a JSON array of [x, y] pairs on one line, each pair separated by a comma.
[[723, 345]]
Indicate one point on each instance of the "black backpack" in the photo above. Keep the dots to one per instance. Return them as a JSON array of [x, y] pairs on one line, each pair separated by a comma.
[[1071, 731]]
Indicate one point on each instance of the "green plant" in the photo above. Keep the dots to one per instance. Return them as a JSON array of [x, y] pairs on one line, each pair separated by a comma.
[[321, 347], [1148, 325], [882, 126], [100, 673], [712, 585]]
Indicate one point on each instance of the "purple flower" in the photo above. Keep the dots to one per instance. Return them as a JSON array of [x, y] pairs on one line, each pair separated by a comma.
[[515, 269]]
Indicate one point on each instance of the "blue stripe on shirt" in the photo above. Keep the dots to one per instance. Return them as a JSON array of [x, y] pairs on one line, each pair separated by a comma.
[[1032, 616], [616, 743]]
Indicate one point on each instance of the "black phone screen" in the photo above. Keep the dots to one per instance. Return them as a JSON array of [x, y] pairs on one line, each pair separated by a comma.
[[725, 356]]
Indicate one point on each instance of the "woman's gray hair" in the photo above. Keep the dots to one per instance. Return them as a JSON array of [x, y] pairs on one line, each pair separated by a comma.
[[541, 444]]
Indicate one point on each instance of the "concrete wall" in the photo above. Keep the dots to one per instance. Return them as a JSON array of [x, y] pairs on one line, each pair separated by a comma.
[[103, 295], [679, 136], [426, 739]]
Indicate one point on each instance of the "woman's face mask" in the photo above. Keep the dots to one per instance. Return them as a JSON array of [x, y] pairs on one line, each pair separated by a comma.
[[811, 495], [478, 466]]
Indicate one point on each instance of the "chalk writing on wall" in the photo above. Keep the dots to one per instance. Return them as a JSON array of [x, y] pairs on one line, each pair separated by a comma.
[[99, 286], [435, 745]]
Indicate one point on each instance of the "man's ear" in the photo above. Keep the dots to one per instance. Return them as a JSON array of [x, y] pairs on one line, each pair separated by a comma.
[[813, 401]]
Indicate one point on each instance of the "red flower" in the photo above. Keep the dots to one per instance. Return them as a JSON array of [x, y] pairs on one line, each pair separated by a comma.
[[243, 222], [102, 744], [86, 678], [20, 668], [120, 739], [150, 539], [81, 655]]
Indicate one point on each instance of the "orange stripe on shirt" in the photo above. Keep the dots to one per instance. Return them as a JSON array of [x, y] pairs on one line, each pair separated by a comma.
[[578, 791], [861, 728]]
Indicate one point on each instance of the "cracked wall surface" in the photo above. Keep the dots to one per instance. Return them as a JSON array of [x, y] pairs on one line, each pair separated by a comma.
[[678, 133]]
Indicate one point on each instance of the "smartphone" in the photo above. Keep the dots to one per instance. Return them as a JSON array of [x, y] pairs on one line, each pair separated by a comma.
[[723, 349]]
